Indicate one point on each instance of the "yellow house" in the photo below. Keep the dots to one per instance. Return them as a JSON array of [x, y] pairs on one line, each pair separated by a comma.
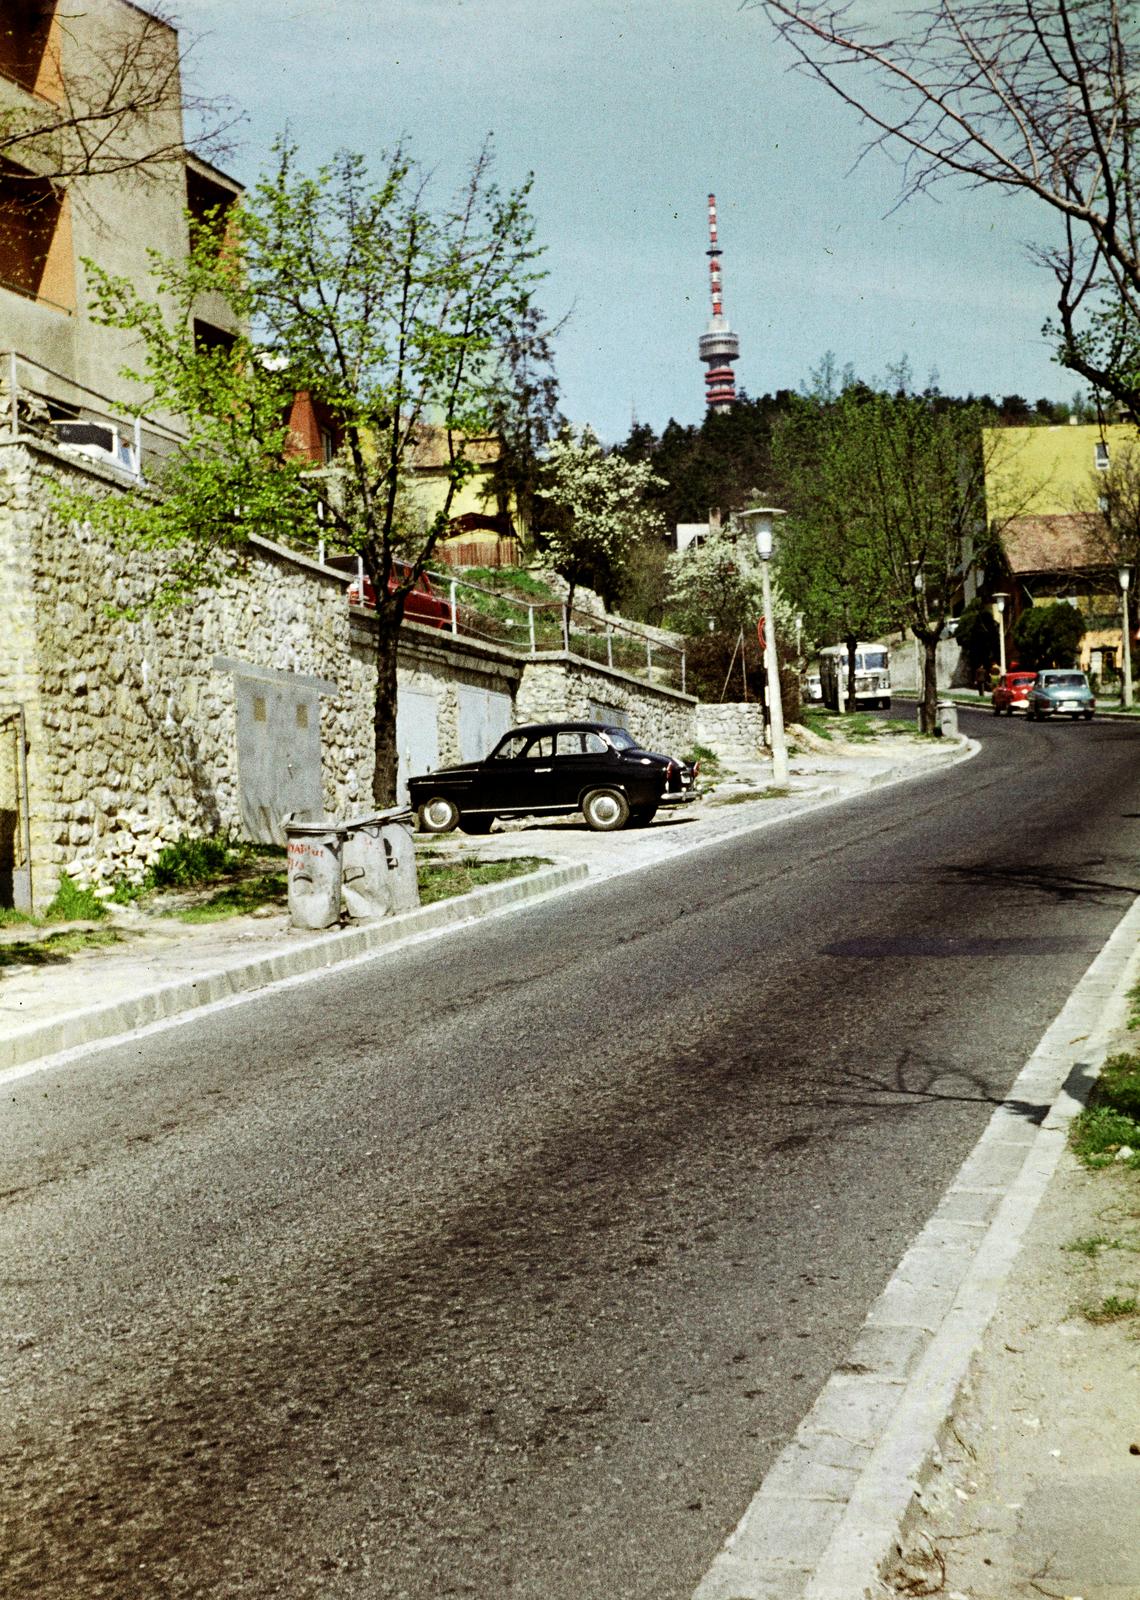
[[1043, 491], [484, 532]]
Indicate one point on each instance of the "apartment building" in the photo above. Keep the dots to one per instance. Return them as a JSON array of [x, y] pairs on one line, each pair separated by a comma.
[[93, 166]]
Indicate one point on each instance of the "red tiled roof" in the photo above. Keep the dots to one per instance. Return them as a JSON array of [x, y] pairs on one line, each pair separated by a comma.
[[1073, 542]]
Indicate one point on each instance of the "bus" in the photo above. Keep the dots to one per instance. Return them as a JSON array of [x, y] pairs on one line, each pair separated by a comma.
[[872, 676]]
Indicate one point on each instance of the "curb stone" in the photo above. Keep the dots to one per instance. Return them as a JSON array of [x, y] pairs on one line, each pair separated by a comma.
[[833, 1510], [324, 951]]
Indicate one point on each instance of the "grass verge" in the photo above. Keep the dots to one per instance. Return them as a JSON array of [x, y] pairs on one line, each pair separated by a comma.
[[1111, 1120], [56, 948], [441, 880], [748, 794]]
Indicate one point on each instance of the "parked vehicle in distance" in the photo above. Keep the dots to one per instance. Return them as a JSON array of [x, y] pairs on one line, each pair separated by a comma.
[[872, 676], [813, 688], [551, 768], [422, 605], [1012, 693], [1061, 691]]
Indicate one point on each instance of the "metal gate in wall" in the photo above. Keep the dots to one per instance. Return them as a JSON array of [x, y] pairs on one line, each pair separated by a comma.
[[278, 718], [484, 716]]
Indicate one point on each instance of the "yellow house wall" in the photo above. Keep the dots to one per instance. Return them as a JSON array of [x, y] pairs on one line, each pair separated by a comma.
[[1048, 472]]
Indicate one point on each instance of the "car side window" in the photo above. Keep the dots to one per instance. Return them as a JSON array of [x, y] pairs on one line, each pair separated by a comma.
[[569, 742], [541, 749], [511, 749], [594, 744]]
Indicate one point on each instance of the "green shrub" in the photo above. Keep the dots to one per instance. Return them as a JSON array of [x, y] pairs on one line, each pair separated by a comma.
[[187, 862], [73, 904]]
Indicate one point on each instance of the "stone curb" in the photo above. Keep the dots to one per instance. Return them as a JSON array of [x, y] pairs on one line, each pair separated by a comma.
[[833, 1510], [325, 950], [22, 1048]]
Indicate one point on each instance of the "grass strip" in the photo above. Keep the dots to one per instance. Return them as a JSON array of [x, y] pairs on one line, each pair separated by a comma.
[[1111, 1120], [441, 880]]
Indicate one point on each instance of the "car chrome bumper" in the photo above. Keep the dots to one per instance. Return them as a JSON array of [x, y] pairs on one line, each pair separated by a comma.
[[684, 798]]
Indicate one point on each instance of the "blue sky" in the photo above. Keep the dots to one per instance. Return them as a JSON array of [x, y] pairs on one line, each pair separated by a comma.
[[629, 112]]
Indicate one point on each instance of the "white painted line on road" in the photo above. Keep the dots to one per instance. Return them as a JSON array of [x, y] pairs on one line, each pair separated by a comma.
[[830, 1513]]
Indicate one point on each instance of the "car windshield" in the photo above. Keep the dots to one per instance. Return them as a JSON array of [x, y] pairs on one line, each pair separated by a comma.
[[1064, 680], [873, 660], [620, 739]]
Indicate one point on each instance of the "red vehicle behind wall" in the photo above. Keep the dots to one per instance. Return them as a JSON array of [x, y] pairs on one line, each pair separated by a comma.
[[422, 605]]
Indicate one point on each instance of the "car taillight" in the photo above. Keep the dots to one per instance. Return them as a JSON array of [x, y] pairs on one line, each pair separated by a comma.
[[696, 768]]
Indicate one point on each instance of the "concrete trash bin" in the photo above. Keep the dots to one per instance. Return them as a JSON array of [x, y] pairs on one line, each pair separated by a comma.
[[314, 873], [379, 864], [947, 719]]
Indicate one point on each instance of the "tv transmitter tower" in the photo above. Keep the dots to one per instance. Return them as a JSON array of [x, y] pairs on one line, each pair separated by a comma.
[[719, 347]]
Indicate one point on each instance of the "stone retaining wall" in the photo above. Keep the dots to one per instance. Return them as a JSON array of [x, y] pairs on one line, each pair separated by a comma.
[[564, 686], [132, 723], [732, 730]]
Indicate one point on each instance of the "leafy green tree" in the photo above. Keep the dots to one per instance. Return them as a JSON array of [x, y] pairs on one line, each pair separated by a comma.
[[598, 513], [832, 559], [887, 487], [390, 313], [1049, 636], [977, 635], [715, 598]]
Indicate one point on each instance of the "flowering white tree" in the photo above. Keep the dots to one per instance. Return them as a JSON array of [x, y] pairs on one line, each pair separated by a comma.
[[596, 511]]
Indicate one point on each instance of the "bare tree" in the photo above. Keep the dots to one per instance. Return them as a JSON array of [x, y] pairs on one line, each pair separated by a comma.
[[110, 97], [1041, 98]]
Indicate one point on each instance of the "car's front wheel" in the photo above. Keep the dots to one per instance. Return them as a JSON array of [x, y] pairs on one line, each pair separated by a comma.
[[438, 815], [605, 810]]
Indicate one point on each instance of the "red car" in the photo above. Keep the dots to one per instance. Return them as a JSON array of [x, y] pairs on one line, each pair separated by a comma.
[[422, 605], [1012, 693]]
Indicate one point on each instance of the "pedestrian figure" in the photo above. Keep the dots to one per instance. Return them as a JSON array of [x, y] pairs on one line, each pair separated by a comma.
[[980, 679]]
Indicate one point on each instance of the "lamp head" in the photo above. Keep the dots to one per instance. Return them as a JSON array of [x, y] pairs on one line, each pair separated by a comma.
[[1124, 577], [763, 521], [999, 601]]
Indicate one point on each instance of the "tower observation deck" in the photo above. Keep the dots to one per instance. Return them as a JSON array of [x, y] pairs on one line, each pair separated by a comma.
[[719, 346]]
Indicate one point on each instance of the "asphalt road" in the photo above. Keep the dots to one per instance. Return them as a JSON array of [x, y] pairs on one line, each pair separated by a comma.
[[504, 1265]]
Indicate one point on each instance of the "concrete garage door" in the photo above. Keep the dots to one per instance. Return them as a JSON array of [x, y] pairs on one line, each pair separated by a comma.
[[484, 716], [417, 737]]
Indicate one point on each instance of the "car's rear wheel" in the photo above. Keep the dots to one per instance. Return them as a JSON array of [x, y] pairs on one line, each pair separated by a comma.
[[641, 816], [997, 711], [478, 824], [605, 810], [438, 815], [1088, 716]]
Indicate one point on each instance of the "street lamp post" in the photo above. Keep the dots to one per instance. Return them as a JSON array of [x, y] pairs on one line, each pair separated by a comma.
[[1124, 576], [763, 519], [999, 604]]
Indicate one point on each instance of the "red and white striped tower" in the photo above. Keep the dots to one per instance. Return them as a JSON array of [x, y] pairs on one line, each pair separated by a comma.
[[719, 345]]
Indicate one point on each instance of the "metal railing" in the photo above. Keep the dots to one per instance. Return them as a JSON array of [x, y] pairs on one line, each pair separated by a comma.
[[132, 439], [533, 627]]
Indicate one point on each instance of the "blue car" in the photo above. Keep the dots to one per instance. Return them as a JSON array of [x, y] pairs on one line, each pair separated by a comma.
[[1060, 692]]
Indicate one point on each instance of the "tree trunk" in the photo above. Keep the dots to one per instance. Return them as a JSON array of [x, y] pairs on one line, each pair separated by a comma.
[[386, 755], [928, 705], [851, 641]]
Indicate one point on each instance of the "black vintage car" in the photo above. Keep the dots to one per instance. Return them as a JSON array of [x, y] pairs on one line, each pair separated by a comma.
[[554, 767]]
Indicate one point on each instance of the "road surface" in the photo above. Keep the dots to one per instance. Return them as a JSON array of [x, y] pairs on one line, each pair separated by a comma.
[[504, 1265]]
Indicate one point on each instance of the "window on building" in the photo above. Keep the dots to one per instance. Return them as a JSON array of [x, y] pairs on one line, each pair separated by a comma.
[[1101, 456], [207, 337], [206, 197], [25, 29], [35, 237]]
